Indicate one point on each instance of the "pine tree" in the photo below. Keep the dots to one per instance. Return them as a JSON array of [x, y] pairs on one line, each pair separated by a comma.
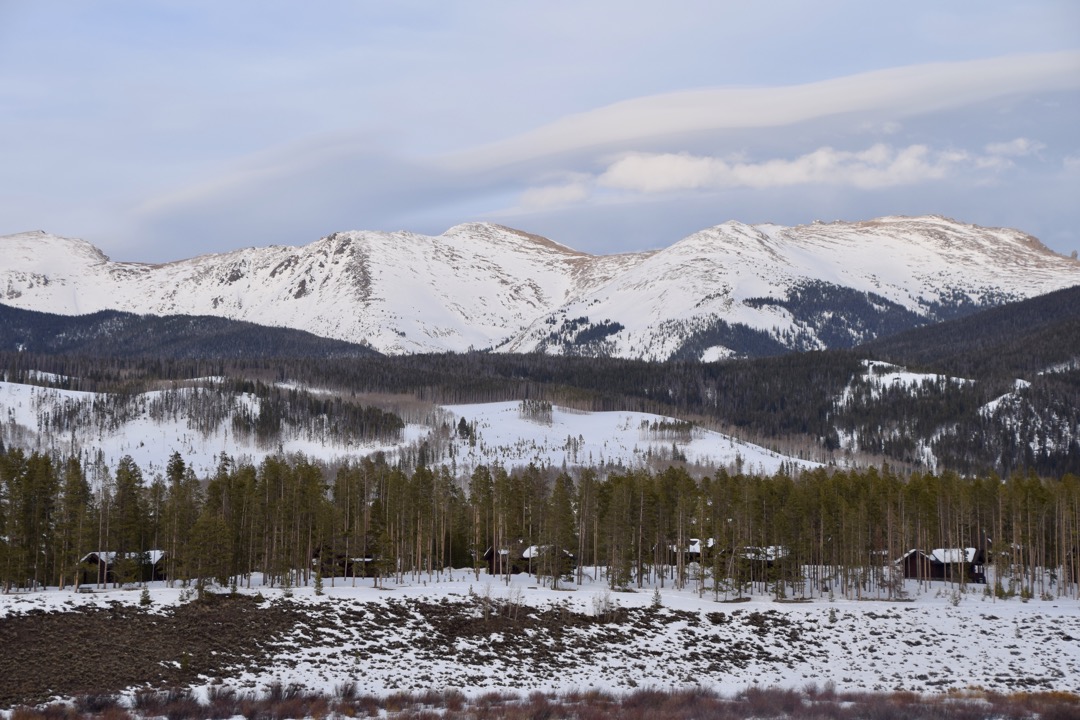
[[182, 507], [208, 548], [129, 521], [74, 523], [559, 538], [480, 503]]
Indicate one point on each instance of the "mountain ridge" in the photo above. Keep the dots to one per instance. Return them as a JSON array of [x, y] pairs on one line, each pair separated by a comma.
[[720, 292]]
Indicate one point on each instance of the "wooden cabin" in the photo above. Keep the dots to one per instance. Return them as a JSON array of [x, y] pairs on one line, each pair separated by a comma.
[[518, 558], [952, 564], [338, 564], [107, 567]]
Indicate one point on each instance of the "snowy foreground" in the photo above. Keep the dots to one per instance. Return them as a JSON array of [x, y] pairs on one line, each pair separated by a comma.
[[480, 635]]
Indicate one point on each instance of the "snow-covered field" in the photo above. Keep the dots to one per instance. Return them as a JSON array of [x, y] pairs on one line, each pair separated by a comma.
[[574, 438], [434, 633]]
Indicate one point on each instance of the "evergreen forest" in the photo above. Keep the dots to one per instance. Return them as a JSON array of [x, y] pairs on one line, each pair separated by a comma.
[[292, 521]]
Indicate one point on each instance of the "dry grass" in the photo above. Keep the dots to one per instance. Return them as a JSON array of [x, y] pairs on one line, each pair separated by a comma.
[[810, 703]]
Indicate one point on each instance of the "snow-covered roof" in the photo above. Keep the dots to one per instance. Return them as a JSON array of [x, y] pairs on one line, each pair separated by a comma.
[[534, 551], [953, 555], [945, 556], [695, 545], [153, 556]]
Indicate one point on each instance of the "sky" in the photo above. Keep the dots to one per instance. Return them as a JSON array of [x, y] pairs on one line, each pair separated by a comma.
[[161, 130]]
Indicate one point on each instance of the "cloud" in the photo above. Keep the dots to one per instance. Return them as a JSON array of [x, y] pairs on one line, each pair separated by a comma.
[[1020, 147], [299, 193], [895, 93], [999, 155], [549, 196], [875, 167], [653, 147], [887, 127]]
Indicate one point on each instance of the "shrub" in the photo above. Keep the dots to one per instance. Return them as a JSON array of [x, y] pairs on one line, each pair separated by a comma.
[[95, 703], [453, 700], [182, 705], [223, 702], [58, 711]]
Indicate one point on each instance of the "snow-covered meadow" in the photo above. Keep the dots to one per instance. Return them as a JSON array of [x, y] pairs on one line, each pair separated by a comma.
[[572, 438]]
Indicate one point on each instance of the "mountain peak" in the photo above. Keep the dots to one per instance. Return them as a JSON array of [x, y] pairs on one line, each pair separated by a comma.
[[501, 233], [34, 243]]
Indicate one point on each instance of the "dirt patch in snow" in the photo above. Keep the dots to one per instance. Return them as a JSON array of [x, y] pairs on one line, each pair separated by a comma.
[[95, 650]]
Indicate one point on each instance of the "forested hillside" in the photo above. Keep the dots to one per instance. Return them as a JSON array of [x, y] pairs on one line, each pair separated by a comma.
[[1020, 339], [1016, 405], [784, 397], [110, 333], [1023, 408]]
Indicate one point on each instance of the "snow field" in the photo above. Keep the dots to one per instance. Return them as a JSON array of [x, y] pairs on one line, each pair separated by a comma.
[[574, 438]]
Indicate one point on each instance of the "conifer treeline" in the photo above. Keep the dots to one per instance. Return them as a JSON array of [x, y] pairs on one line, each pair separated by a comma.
[[293, 520]]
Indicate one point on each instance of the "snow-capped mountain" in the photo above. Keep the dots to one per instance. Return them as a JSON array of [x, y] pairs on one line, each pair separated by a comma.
[[730, 289]]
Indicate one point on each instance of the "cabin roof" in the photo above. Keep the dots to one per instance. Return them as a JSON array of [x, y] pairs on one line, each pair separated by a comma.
[[953, 555], [154, 556], [945, 556]]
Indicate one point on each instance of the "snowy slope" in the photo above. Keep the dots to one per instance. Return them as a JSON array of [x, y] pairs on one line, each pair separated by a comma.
[[912, 262], [486, 286], [573, 438], [27, 412], [878, 375]]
